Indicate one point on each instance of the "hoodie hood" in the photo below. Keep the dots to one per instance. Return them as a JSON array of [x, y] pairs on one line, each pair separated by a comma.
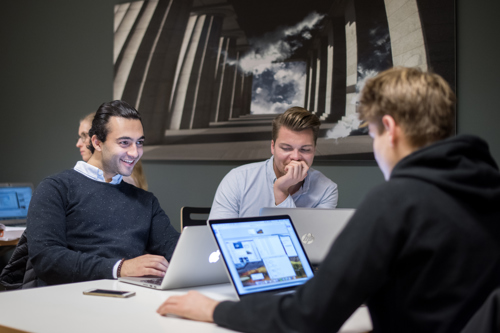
[[461, 165]]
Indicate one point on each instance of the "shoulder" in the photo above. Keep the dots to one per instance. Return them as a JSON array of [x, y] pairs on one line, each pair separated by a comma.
[[250, 167], [246, 171], [319, 178]]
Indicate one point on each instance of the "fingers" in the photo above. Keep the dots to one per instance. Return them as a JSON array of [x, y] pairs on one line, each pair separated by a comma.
[[145, 265], [192, 305], [296, 171]]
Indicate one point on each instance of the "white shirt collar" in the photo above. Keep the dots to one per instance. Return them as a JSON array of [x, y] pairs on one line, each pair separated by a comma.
[[95, 173]]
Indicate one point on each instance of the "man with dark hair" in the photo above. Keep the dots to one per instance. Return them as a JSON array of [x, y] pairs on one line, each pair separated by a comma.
[[86, 224], [284, 180], [422, 250]]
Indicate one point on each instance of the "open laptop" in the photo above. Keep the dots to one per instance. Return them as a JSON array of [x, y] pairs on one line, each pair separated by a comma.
[[317, 227], [195, 262], [262, 254], [14, 202]]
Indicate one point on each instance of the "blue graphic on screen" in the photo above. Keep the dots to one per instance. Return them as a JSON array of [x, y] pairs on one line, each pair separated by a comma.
[[14, 202]]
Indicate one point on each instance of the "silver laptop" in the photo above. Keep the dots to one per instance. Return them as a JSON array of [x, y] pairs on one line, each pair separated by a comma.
[[317, 227], [195, 262], [14, 202], [262, 254]]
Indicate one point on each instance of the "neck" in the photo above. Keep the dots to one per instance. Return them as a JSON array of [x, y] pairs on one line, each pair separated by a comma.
[[96, 161]]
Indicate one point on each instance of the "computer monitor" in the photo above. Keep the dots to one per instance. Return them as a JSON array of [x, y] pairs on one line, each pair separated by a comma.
[[14, 202]]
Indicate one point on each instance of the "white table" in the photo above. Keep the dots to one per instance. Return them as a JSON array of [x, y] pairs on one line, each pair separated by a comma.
[[64, 308]]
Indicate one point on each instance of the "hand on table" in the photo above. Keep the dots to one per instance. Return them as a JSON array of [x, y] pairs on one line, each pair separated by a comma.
[[192, 305]]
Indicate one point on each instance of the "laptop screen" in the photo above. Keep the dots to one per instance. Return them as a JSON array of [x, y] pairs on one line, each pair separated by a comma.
[[14, 202], [262, 253]]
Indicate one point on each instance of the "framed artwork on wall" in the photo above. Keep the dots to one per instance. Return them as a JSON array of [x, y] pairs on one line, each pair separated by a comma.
[[208, 76]]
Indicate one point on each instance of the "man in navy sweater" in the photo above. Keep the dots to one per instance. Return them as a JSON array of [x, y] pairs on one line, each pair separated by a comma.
[[87, 224], [422, 250]]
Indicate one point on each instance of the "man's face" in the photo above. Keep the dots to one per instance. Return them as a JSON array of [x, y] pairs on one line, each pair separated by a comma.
[[381, 150], [84, 140], [292, 146], [123, 146]]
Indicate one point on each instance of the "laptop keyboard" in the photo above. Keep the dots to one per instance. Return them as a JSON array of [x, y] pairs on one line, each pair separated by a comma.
[[153, 281]]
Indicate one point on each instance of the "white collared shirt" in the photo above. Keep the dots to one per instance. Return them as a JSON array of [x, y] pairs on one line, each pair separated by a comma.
[[95, 173]]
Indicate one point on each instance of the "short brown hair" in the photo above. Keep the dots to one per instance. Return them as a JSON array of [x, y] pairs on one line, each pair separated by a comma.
[[422, 103], [296, 119]]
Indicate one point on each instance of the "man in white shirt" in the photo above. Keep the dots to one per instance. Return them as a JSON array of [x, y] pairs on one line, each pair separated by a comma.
[[285, 180]]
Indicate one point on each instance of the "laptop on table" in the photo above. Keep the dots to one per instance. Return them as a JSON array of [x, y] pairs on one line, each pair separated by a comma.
[[317, 227], [14, 202], [195, 262], [261, 254]]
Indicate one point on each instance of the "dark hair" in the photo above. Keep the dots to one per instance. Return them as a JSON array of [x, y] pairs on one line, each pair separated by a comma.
[[104, 112], [296, 119]]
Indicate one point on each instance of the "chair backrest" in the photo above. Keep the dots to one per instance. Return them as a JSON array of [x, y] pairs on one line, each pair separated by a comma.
[[188, 220]]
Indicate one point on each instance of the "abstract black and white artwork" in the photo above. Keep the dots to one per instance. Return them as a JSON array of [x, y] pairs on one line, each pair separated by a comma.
[[208, 76]]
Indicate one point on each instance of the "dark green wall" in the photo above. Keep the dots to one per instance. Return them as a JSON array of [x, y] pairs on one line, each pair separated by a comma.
[[56, 66]]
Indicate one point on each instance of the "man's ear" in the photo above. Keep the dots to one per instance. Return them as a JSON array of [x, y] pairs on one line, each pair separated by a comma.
[[272, 147], [391, 128], [96, 143]]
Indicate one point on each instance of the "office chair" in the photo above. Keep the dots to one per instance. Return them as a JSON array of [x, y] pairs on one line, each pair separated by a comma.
[[187, 220]]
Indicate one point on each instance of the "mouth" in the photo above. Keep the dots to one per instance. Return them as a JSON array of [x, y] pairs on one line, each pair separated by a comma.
[[128, 162]]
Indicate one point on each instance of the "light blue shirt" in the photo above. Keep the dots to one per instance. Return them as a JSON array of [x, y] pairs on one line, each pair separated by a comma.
[[248, 188], [95, 173], [98, 175]]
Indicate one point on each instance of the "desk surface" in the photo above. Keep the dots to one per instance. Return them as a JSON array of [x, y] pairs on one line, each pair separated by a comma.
[[58, 308]]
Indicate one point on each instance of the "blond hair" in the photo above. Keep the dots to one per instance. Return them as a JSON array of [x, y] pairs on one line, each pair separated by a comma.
[[296, 119], [422, 103]]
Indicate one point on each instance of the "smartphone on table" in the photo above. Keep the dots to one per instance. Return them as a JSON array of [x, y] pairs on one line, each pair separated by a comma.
[[109, 293]]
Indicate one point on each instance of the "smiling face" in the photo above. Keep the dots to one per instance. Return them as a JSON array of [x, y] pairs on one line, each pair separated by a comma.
[[121, 150], [84, 139], [292, 146]]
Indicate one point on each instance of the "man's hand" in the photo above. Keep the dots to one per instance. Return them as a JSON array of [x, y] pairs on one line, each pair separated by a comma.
[[296, 172], [147, 264], [192, 305]]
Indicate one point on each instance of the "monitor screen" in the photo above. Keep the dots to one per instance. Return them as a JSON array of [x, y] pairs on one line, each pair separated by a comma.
[[262, 255], [14, 202]]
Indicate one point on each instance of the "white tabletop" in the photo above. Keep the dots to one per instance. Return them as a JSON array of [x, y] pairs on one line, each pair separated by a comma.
[[64, 308]]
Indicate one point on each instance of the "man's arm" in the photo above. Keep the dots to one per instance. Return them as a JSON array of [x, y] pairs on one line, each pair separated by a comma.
[[53, 261], [296, 172], [227, 199], [162, 235], [330, 196]]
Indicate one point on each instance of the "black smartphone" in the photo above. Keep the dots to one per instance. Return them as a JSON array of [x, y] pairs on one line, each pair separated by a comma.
[[109, 293]]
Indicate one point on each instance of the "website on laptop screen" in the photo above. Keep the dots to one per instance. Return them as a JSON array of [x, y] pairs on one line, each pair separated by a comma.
[[262, 255], [14, 202]]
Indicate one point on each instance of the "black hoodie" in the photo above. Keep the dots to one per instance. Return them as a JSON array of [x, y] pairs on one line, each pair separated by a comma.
[[422, 251]]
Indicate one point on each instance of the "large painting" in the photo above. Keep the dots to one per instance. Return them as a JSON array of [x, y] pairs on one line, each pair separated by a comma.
[[208, 76]]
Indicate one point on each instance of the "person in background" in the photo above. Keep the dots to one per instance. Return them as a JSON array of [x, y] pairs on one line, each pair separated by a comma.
[[422, 250], [285, 180], [137, 178]]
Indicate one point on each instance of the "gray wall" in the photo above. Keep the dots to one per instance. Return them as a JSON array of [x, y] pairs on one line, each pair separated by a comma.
[[56, 66]]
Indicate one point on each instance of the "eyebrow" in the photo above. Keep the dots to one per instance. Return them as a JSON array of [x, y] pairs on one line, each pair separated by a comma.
[[287, 144], [129, 138]]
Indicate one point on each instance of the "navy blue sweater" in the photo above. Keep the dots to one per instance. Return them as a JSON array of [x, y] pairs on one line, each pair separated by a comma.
[[78, 228]]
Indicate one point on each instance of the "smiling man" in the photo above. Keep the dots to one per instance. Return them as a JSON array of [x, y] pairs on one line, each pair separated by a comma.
[[284, 180], [87, 224]]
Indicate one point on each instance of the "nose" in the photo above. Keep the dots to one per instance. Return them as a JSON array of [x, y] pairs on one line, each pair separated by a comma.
[[79, 142], [133, 151], [295, 155]]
